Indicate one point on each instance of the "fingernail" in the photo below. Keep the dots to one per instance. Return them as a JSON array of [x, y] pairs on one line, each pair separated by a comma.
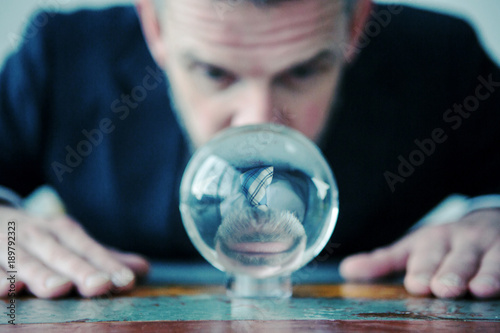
[[423, 279], [96, 280], [487, 281], [451, 280], [122, 278], [55, 281]]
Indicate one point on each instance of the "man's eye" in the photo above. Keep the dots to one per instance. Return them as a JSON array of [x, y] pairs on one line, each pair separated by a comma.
[[302, 72], [217, 75], [299, 76]]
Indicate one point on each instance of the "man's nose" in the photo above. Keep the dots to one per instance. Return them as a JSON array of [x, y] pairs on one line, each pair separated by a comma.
[[256, 106]]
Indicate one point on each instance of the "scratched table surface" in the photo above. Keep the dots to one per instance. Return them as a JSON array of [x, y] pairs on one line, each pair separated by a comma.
[[190, 297]]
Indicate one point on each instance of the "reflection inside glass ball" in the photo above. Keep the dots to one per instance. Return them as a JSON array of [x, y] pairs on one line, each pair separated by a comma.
[[261, 212]]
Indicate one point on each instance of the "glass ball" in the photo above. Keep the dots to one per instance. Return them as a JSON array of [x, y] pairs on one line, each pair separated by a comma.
[[259, 201]]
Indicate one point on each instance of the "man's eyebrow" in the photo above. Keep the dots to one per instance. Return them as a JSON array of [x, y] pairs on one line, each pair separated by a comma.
[[190, 57], [322, 56]]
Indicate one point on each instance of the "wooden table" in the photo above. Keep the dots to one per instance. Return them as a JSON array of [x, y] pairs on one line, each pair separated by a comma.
[[162, 303]]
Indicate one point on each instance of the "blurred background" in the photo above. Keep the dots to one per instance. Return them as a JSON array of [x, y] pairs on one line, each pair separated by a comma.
[[482, 14]]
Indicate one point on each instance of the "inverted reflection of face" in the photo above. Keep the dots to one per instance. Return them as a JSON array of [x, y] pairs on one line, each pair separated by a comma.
[[260, 238]]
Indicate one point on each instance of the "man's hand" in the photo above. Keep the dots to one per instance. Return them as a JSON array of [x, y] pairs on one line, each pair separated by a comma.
[[55, 255], [447, 260]]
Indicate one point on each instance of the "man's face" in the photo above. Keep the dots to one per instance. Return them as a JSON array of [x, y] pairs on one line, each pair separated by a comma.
[[241, 64]]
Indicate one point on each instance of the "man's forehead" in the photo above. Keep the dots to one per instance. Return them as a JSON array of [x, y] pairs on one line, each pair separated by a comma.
[[271, 33], [242, 23]]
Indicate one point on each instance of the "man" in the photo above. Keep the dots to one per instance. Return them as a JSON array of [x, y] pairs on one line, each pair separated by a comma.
[[84, 109]]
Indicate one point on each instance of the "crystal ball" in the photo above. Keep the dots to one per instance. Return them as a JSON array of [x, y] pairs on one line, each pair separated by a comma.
[[259, 200]]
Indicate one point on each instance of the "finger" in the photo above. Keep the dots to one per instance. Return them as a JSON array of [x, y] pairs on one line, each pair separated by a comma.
[[10, 285], [39, 279], [486, 283], [72, 236], [44, 246], [424, 260], [377, 264], [138, 264], [458, 267]]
